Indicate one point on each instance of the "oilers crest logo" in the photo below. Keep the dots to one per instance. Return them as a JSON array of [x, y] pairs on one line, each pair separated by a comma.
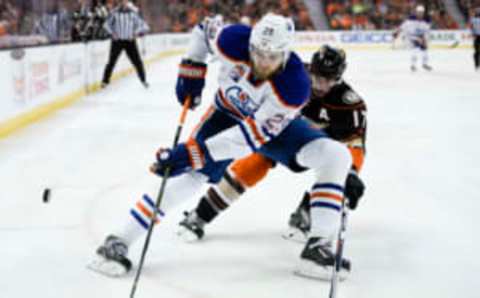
[[241, 100], [236, 73]]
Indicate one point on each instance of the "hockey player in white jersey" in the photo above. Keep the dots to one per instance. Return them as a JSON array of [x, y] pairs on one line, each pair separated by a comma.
[[415, 29], [262, 87]]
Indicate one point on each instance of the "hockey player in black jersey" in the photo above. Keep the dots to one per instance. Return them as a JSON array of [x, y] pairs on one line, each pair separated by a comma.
[[339, 110], [335, 107]]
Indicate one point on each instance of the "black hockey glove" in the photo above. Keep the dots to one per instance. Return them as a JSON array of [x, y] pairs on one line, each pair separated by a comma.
[[190, 82], [354, 189]]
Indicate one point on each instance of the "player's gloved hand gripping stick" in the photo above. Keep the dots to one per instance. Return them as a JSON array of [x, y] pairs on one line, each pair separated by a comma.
[[190, 84], [183, 116]]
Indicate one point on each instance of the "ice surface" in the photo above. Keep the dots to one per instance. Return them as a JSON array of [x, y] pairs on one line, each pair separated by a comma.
[[415, 233]]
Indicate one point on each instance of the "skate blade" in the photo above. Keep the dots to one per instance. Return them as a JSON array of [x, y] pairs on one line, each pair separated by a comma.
[[309, 269], [295, 235], [108, 268], [186, 235]]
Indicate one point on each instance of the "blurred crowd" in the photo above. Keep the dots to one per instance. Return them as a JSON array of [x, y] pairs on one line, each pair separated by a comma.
[[33, 22], [468, 7], [383, 14], [29, 22], [181, 15]]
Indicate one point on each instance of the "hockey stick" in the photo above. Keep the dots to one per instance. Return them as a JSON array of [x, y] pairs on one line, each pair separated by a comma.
[[454, 44], [183, 116], [339, 253]]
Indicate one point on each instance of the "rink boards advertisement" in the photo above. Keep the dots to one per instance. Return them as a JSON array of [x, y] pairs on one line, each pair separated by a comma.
[[35, 82], [380, 39]]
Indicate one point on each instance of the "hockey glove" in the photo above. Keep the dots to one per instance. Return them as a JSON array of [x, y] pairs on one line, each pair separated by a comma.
[[183, 158], [354, 189], [190, 81]]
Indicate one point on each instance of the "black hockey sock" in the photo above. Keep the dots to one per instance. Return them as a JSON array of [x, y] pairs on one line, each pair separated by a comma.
[[305, 203], [205, 210], [219, 197]]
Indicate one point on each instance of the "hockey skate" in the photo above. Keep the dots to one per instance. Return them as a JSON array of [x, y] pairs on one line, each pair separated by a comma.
[[111, 258], [427, 67], [299, 223], [299, 226], [317, 261], [191, 227], [413, 68]]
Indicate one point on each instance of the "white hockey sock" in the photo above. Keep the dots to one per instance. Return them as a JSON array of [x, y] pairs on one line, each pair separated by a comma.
[[414, 57], [139, 219], [425, 57], [331, 161], [325, 206], [178, 189]]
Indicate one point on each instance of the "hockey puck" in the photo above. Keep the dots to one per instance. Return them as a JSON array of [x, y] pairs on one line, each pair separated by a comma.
[[46, 195]]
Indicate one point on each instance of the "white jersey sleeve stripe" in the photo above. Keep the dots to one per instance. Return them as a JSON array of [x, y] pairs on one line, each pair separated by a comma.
[[255, 132]]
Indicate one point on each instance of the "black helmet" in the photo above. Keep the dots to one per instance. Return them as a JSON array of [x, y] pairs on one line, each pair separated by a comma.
[[328, 62]]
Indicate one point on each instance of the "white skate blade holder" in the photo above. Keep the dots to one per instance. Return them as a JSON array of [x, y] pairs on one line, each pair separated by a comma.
[[311, 270], [295, 235], [186, 235], [107, 267]]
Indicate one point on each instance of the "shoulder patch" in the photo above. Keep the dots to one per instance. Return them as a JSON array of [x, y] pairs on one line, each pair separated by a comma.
[[233, 42], [350, 97]]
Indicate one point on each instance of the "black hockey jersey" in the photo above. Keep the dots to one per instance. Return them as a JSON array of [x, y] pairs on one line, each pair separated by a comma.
[[342, 113]]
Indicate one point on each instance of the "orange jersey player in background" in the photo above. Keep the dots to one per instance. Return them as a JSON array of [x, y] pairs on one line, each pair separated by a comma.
[[334, 107]]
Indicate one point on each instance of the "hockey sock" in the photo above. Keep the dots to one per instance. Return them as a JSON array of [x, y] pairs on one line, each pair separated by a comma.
[[219, 197], [140, 218], [413, 58], [331, 162], [177, 191], [305, 203], [325, 206], [424, 57]]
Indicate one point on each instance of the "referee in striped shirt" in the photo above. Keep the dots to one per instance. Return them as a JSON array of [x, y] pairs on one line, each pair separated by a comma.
[[124, 24], [475, 24]]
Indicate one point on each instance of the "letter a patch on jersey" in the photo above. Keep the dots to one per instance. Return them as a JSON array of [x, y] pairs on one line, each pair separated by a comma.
[[324, 115]]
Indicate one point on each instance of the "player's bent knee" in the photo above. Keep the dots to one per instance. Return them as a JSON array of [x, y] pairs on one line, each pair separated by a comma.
[[325, 154], [251, 169]]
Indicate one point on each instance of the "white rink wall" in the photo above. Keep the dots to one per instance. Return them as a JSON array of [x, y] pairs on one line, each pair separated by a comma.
[[34, 82], [37, 81]]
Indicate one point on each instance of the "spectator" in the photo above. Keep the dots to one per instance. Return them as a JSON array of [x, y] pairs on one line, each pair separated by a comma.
[[358, 14], [53, 23]]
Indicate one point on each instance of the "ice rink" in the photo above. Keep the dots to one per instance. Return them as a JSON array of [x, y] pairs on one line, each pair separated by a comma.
[[415, 233]]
